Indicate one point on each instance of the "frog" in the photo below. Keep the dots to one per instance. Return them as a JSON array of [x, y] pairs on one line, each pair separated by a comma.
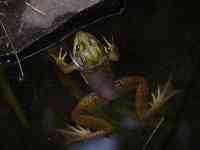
[[92, 57]]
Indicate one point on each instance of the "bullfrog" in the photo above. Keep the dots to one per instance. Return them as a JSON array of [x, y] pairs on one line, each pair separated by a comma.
[[93, 59]]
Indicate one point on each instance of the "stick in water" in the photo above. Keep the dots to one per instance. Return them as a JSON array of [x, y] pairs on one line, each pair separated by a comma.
[[153, 133], [35, 9], [14, 50]]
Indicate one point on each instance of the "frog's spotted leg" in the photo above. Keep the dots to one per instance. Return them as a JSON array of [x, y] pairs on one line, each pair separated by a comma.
[[144, 111], [93, 125], [140, 85], [89, 102]]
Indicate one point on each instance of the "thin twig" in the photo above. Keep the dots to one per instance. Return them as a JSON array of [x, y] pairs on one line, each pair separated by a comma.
[[36, 9], [153, 133], [13, 48]]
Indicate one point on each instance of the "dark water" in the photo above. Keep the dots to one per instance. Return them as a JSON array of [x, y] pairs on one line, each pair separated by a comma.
[[156, 39]]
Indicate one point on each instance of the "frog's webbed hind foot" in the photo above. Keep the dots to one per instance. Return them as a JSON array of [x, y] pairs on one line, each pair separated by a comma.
[[161, 97], [69, 135], [88, 126], [73, 134], [144, 111]]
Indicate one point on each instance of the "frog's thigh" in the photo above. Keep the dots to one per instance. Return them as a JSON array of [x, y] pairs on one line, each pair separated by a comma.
[[80, 117], [139, 84]]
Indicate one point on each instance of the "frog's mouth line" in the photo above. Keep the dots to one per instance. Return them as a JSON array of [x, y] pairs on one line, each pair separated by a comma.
[[80, 66]]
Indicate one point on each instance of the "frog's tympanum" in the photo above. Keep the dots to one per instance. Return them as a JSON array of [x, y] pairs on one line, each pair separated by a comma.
[[93, 59]]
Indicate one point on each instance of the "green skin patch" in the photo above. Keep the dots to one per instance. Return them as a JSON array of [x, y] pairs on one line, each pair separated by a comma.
[[87, 49]]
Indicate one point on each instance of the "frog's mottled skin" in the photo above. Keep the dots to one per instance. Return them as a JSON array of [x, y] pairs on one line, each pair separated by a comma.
[[87, 50], [89, 55]]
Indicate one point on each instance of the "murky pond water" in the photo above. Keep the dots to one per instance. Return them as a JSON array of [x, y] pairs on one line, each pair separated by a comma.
[[120, 83]]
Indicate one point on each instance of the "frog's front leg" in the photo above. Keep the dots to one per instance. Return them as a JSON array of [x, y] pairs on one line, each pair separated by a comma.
[[60, 62], [111, 50]]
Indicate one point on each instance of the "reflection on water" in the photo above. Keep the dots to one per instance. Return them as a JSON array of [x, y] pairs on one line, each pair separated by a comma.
[[101, 143]]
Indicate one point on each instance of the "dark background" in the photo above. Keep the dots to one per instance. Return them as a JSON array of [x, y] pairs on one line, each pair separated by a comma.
[[155, 38]]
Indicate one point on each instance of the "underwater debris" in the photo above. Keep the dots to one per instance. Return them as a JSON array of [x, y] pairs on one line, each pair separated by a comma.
[[43, 13], [21, 77], [153, 133], [35, 9], [8, 95]]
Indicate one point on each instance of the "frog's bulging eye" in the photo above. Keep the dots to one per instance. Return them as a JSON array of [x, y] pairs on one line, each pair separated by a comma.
[[77, 47]]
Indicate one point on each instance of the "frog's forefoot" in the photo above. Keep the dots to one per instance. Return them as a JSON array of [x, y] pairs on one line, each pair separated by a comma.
[[161, 96], [111, 49]]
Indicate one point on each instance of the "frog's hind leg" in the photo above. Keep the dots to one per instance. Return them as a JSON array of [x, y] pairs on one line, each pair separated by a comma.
[[88, 126], [79, 114], [140, 85], [147, 106]]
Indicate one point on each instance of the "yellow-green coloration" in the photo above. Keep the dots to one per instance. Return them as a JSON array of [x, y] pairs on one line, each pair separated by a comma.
[[87, 50], [8, 95], [90, 53]]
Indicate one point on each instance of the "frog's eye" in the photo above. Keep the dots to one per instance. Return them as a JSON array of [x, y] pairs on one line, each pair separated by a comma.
[[77, 47]]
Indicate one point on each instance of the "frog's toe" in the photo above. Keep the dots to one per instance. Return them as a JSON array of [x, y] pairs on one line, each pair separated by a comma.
[[77, 133], [161, 96]]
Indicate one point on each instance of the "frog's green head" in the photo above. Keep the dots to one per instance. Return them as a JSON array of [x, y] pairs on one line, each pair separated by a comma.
[[87, 50]]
